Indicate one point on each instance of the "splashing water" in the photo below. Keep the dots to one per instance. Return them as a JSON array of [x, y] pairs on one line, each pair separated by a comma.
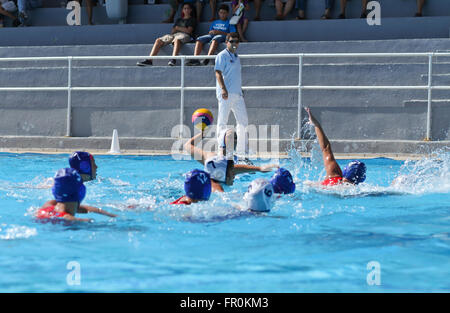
[[427, 175], [312, 240]]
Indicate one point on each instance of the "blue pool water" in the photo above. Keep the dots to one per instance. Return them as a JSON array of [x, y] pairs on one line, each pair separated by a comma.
[[312, 241]]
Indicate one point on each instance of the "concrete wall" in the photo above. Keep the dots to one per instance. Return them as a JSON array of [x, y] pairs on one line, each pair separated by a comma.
[[346, 115]]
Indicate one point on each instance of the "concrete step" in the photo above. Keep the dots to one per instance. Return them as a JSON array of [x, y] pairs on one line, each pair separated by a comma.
[[154, 13], [437, 79], [263, 31], [154, 114], [418, 45], [440, 116], [252, 75]]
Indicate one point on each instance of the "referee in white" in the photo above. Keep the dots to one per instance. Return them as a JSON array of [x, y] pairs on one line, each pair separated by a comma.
[[229, 93]]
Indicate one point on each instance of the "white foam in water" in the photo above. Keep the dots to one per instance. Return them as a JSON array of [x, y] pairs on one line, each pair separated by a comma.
[[428, 175], [12, 232]]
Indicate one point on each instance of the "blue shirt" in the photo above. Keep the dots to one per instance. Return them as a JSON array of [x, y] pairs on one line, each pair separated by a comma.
[[230, 66], [223, 26]]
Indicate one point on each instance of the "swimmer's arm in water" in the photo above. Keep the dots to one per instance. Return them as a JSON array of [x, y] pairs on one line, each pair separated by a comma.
[[72, 218], [311, 183], [331, 166], [216, 187], [83, 209], [197, 153], [243, 168]]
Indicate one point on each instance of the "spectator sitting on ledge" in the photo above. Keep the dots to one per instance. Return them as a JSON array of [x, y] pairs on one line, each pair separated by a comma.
[[242, 25], [216, 35], [363, 8], [90, 5], [6, 9], [24, 6], [288, 6], [198, 5], [328, 6], [182, 32], [301, 6], [420, 4]]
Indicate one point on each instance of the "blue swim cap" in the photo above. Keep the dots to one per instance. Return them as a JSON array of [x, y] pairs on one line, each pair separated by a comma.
[[197, 185], [282, 181], [68, 186], [81, 161], [355, 172]]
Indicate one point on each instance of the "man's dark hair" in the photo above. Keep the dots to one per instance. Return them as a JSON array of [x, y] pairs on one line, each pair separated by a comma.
[[232, 35], [224, 7]]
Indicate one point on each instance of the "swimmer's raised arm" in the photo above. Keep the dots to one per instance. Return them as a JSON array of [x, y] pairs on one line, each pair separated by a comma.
[[197, 153], [331, 166]]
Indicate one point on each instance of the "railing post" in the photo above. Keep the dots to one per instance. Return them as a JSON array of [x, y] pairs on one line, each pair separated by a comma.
[[299, 98], [182, 98], [430, 73], [69, 97]]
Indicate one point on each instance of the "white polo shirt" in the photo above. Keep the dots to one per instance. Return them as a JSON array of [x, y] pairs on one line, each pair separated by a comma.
[[230, 66]]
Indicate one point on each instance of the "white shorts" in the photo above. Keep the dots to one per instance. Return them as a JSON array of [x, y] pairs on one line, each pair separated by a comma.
[[235, 103]]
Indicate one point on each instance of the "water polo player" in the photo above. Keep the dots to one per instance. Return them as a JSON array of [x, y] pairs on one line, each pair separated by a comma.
[[354, 172], [282, 182], [84, 163], [197, 187], [221, 169], [69, 192], [260, 196]]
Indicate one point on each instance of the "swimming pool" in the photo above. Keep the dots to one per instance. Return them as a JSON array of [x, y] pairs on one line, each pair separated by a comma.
[[312, 241]]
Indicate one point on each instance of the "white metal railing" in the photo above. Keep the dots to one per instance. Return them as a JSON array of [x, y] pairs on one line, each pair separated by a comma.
[[300, 87]]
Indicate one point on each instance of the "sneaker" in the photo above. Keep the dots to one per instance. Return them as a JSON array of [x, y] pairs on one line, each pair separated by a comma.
[[193, 63], [205, 62], [144, 63], [23, 18], [172, 62]]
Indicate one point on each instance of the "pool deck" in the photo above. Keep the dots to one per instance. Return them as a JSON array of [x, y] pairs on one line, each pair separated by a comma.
[[343, 149]]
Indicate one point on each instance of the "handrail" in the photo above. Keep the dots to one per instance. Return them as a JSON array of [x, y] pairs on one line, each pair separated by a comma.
[[300, 87]]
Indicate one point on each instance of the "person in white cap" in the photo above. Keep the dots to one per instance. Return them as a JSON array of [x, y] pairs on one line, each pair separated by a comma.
[[260, 196]]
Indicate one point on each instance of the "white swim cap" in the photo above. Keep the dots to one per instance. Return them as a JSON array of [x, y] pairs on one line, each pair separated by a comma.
[[216, 167], [260, 195]]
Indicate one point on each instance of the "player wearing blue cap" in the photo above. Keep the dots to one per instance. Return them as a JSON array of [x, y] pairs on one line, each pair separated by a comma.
[[84, 163], [220, 168], [197, 187], [282, 182], [259, 199], [354, 172], [69, 192]]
